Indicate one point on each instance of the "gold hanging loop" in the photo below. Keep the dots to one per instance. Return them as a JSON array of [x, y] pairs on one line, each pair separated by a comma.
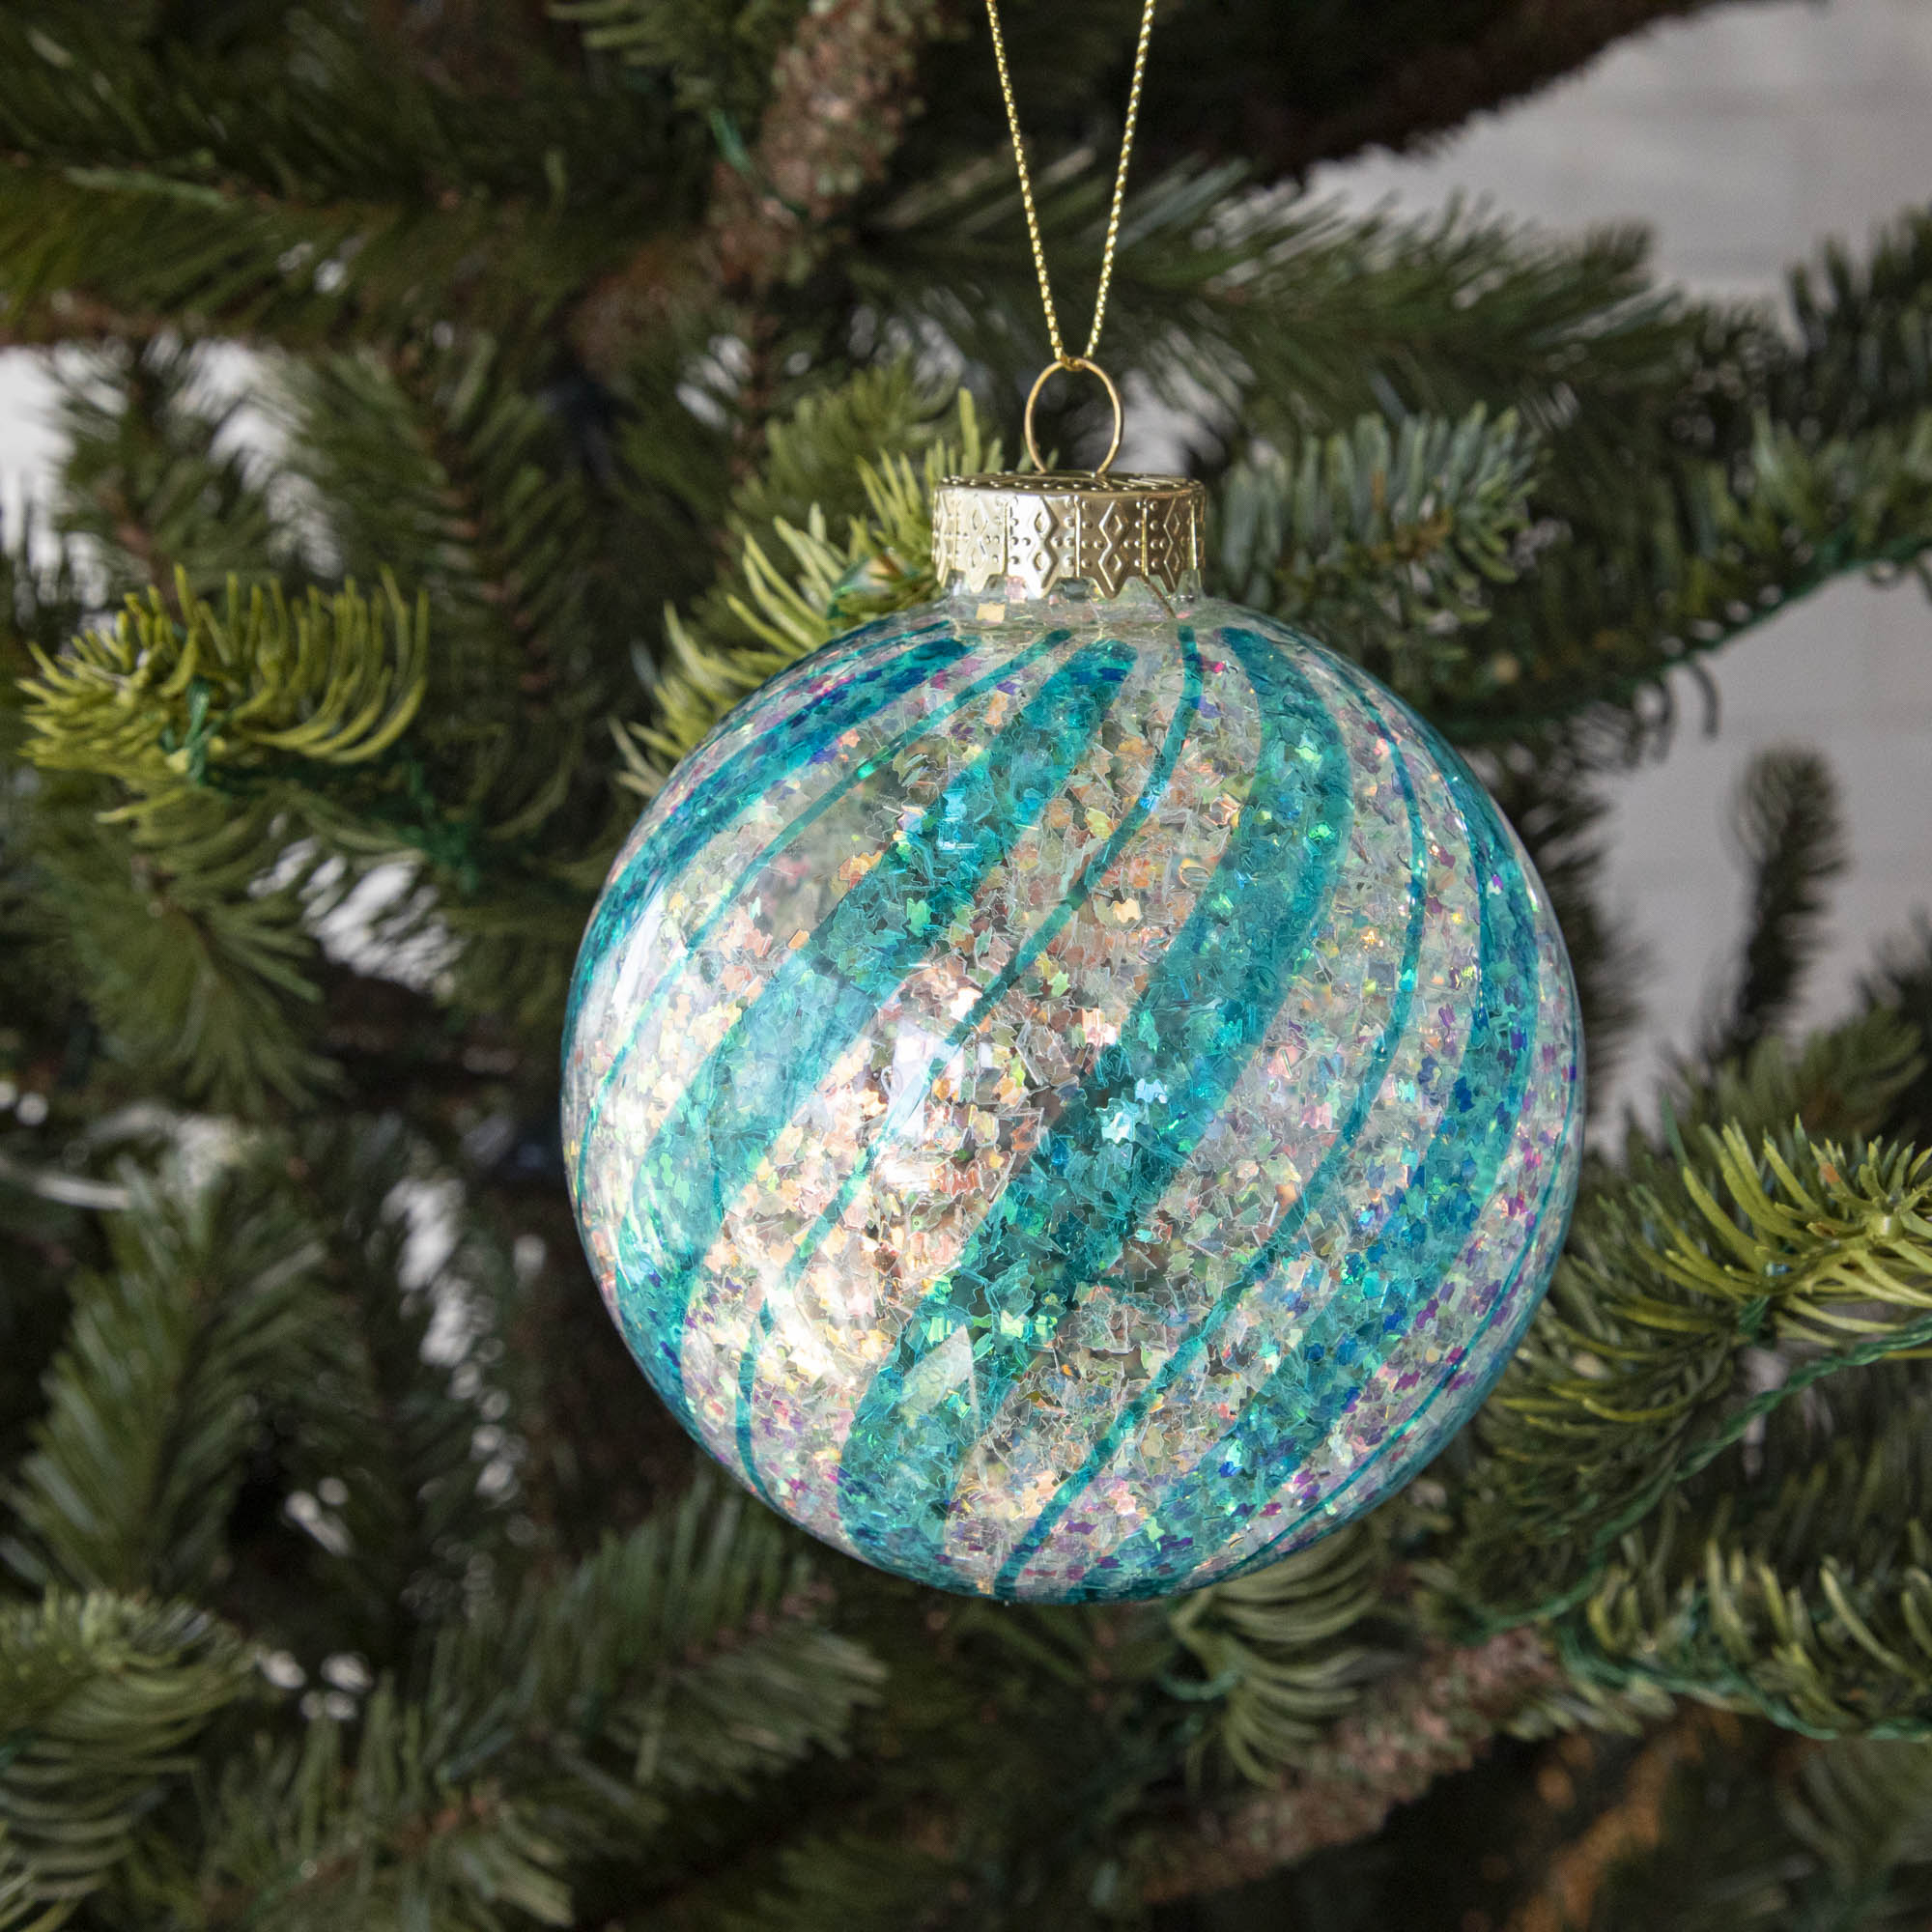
[[1072, 364], [1060, 358]]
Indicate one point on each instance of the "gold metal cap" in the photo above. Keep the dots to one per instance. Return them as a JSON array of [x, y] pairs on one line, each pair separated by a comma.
[[1028, 534]]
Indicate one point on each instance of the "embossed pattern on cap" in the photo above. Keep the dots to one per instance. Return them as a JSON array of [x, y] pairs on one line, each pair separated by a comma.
[[1031, 534]]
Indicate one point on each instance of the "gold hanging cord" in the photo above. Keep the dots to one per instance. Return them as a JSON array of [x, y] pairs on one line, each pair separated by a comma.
[[1084, 362]]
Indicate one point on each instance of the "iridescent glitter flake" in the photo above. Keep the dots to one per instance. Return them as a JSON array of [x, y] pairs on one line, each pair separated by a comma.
[[1072, 1101]]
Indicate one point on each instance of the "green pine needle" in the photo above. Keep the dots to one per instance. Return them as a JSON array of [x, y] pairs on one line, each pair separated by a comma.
[[152, 1403], [1684, 1325], [164, 707], [684, 1658], [1788, 824], [1281, 1653], [103, 1699], [794, 587], [1384, 540]]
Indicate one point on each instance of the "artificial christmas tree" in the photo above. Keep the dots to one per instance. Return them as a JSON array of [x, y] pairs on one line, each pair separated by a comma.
[[613, 354]]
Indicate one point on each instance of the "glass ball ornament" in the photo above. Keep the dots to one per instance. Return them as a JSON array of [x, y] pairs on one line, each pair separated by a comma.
[[1074, 1091]]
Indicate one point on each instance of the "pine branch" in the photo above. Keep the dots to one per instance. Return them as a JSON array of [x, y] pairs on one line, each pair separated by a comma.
[[1843, 1084], [190, 946], [838, 98], [1379, 542], [306, 185], [151, 1405], [403, 1440], [1788, 825], [1548, 789], [100, 1697], [1412, 1729], [1772, 471], [1867, 354], [153, 478], [796, 587], [466, 478], [815, 457], [460, 469], [1788, 1577], [692, 1648], [210, 756], [1498, 602], [1294, 316], [1717, 1835], [1862, 1808], [1391, 536], [1560, 1468], [315, 720], [1281, 1653], [1740, 507], [1639, 1378], [120, 253], [1285, 90], [1604, 622], [1790, 1580], [720, 58], [459, 474], [1441, 73], [684, 1658], [1014, 1746], [311, 1836], [166, 708], [1901, 983], [307, 106]]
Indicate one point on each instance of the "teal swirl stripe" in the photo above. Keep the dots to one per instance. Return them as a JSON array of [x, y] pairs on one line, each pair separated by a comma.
[[1558, 1177], [814, 746], [821, 996], [804, 733], [1318, 1197], [1063, 1218], [1093, 869], [1371, 1299]]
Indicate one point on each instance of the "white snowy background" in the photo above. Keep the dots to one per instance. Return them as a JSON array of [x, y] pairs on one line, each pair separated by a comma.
[[1742, 138]]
